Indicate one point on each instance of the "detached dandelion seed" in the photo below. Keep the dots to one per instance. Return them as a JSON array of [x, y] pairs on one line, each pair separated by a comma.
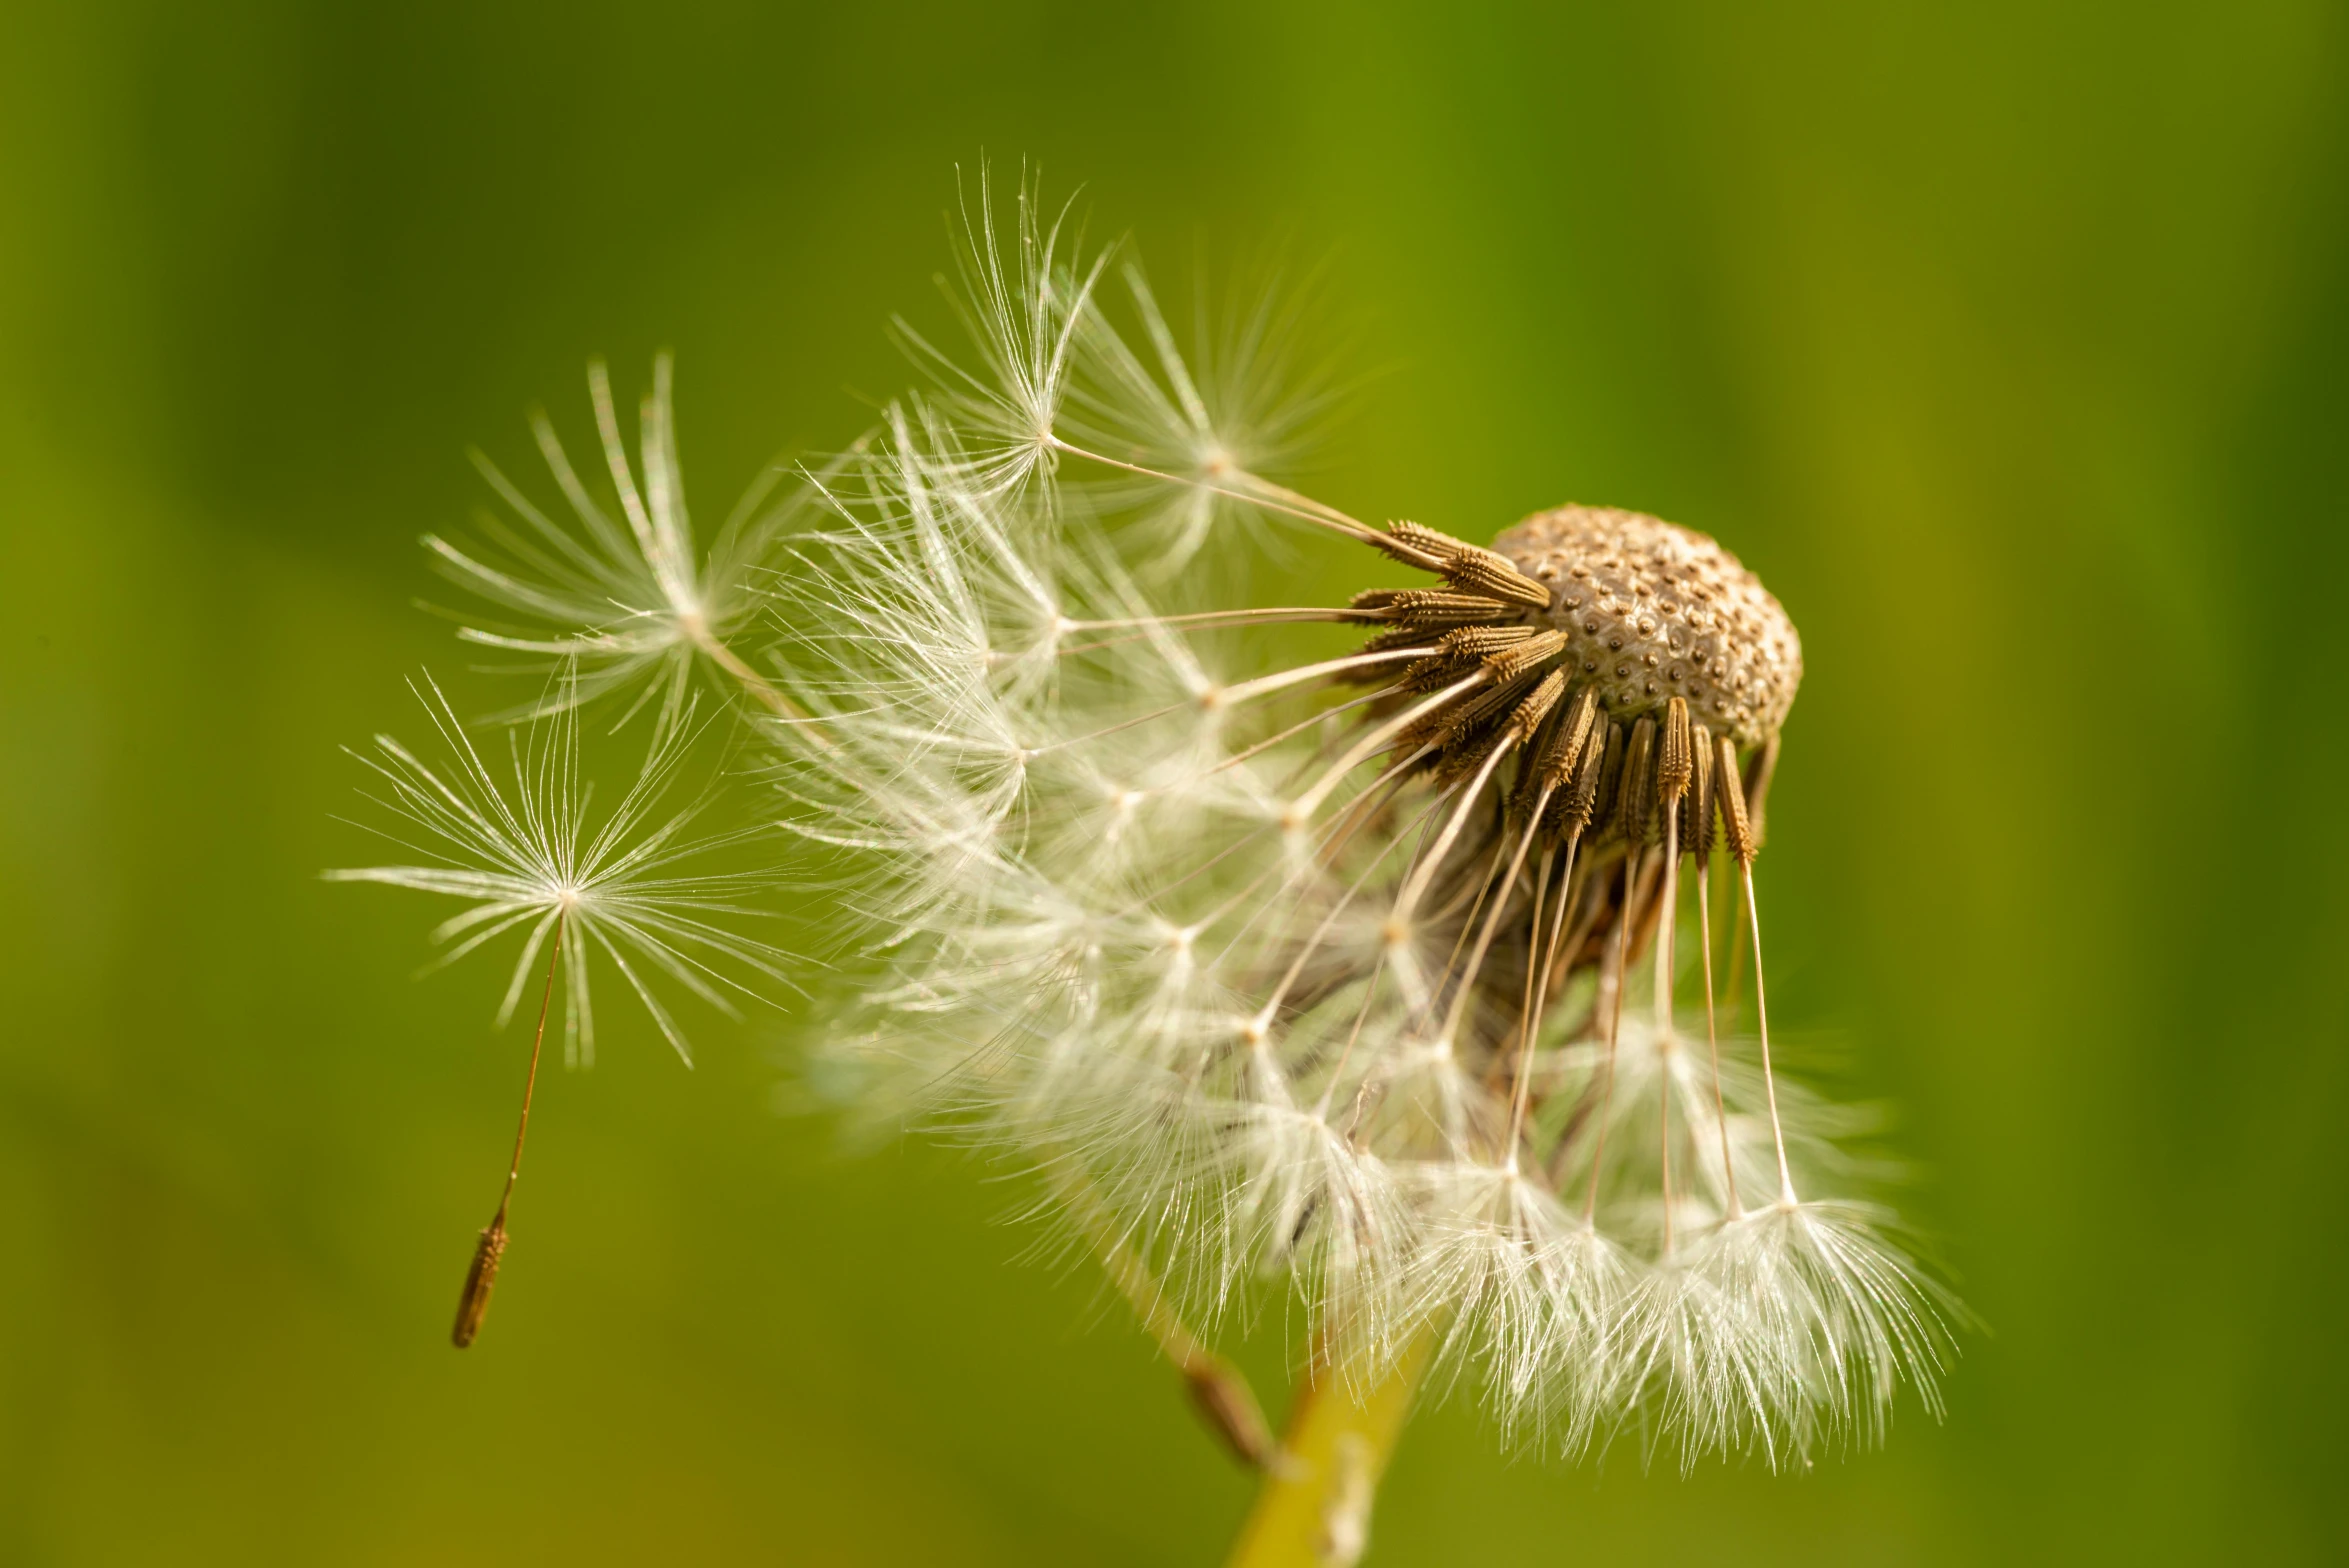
[[526, 856]]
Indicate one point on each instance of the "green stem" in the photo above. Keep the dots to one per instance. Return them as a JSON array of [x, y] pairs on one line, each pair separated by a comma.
[[1313, 1510]]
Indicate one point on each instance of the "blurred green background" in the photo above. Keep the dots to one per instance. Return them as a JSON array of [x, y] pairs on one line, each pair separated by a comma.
[[2005, 340]]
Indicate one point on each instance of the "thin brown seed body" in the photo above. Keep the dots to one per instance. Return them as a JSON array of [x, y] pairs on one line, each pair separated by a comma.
[[1425, 541], [1610, 776], [1535, 709], [1635, 801], [1611, 991], [482, 1276], [1737, 828], [1582, 799], [1482, 642], [1495, 577], [480, 1279], [1563, 754], [1524, 657], [1696, 819], [1674, 768]]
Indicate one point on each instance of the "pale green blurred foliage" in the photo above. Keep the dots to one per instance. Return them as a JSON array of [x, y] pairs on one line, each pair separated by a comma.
[[2003, 342]]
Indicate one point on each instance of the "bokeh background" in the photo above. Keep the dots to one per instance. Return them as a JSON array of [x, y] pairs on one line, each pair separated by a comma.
[[2005, 340]]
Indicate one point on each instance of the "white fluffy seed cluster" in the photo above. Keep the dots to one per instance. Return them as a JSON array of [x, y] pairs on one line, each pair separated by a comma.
[[1108, 933], [1158, 899]]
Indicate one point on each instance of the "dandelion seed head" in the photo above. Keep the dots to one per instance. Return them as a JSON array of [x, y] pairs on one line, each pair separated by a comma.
[[1347, 968]]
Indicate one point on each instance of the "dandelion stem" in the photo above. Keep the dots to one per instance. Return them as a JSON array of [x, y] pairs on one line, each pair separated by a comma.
[[1407, 900], [1250, 753], [1259, 482], [1313, 1510], [1538, 989], [1472, 925], [1378, 969], [751, 680], [1202, 617], [1492, 921], [1314, 512], [1305, 954], [1753, 920], [1614, 1002], [1216, 697], [1503, 1059], [1264, 684], [1373, 740], [482, 1277], [1713, 1035], [741, 670], [546, 1002], [1207, 618], [1669, 899], [1736, 958]]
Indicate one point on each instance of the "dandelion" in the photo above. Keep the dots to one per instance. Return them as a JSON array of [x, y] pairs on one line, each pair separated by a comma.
[[1355, 949], [525, 855], [1362, 969]]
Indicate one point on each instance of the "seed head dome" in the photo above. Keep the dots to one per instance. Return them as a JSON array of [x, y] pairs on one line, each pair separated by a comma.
[[1653, 611]]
